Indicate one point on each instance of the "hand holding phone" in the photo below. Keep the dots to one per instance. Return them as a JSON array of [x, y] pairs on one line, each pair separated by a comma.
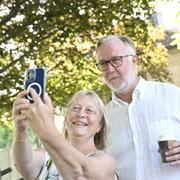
[[35, 78]]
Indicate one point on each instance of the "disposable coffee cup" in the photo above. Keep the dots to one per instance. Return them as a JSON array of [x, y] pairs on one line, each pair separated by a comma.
[[164, 142]]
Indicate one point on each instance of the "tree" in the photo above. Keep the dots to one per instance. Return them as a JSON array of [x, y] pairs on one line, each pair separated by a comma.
[[62, 35], [176, 35]]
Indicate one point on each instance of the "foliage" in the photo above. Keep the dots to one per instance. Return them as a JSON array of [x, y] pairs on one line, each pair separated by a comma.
[[5, 136], [61, 35], [176, 36], [154, 59]]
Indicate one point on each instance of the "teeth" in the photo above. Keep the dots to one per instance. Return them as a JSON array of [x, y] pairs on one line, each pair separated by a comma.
[[80, 123]]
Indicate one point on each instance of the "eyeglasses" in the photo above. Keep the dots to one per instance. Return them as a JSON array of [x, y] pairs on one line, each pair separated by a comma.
[[115, 61]]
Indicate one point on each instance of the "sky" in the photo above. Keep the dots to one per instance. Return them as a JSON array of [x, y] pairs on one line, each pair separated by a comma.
[[169, 11]]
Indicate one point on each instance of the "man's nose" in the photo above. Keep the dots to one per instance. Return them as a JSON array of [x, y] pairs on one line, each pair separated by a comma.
[[110, 67]]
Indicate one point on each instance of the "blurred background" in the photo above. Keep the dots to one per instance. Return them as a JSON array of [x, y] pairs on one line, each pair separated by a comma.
[[62, 35]]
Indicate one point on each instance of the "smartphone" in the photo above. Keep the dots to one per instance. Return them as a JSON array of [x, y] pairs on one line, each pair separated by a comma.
[[35, 78]]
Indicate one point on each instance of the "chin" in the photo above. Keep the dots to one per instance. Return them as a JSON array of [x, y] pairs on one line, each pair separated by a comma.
[[79, 133], [120, 86], [114, 86], [118, 89]]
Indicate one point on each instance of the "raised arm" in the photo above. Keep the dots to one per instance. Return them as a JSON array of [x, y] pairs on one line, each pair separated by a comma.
[[27, 161], [72, 164]]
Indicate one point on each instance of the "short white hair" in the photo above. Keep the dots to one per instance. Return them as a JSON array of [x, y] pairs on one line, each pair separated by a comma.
[[125, 39]]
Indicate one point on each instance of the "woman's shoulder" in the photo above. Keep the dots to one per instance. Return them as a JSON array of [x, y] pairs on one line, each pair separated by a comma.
[[103, 157], [106, 159]]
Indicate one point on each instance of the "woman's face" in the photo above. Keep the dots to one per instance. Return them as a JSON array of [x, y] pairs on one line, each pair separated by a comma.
[[83, 118]]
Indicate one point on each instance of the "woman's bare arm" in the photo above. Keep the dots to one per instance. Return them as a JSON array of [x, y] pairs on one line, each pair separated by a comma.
[[72, 164], [27, 161]]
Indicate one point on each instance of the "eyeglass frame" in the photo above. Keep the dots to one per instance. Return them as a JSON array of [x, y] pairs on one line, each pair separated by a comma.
[[110, 61]]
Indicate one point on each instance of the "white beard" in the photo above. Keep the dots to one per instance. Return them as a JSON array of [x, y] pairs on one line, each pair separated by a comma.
[[125, 83], [123, 88]]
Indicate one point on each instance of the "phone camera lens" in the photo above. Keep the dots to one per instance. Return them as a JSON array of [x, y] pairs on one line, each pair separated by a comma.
[[30, 75]]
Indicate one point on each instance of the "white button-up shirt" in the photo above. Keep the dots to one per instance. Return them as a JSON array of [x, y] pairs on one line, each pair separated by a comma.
[[136, 127]]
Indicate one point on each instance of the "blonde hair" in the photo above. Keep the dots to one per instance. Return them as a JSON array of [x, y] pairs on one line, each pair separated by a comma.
[[100, 138]]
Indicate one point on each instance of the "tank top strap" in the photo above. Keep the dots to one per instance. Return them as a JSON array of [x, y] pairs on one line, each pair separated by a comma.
[[94, 153]]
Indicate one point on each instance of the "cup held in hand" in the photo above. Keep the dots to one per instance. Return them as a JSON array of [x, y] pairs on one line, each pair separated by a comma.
[[164, 142]]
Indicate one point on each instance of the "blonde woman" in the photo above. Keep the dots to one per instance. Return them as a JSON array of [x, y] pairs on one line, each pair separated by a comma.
[[76, 155]]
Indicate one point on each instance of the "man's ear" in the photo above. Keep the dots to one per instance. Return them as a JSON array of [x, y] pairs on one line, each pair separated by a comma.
[[135, 59]]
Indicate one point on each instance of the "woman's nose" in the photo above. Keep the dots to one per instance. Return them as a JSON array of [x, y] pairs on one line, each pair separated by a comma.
[[81, 113]]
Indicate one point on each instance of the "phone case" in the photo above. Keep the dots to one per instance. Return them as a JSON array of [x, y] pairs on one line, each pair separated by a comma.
[[35, 78]]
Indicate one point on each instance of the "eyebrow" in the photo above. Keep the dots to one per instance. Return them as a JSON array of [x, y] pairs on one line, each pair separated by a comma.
[[109, 58]]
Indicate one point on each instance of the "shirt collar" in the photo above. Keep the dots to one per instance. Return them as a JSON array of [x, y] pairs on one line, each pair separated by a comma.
[[140, 88], [116, 100]]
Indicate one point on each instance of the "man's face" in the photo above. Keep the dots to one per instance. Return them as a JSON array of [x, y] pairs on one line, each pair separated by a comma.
[[121, 78]]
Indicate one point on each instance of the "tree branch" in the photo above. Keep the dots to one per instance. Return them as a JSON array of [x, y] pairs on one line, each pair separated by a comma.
[[12, 13]]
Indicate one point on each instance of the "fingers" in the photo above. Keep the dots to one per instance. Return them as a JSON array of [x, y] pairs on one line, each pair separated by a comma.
[[20, 103], [174, 149], [176, 144], [21, 98], [173, 159], [47, 100], [175, 162], [20, 122], [19, 118], [22, 94], [26, 113], [19, 108], [36, 98], [173, 154]]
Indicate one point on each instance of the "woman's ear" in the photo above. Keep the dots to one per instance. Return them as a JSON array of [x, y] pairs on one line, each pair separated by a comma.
[[99, 127]]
